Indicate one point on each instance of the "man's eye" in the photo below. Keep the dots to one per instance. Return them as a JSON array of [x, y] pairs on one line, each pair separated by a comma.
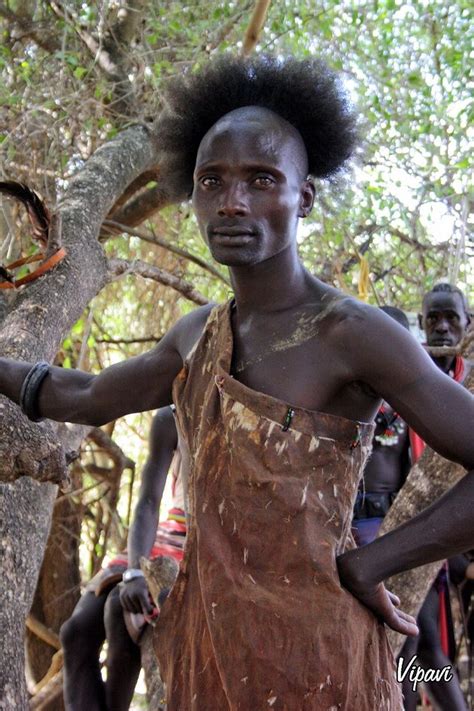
[[263, 181], [209, 181]]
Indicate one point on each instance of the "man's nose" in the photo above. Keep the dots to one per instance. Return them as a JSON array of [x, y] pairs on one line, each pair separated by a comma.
[[442, 326], [233, 201]]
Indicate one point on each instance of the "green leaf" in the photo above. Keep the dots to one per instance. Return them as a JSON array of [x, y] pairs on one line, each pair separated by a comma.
[[80, 72]]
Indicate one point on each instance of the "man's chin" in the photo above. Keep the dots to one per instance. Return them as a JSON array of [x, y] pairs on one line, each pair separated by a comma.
[[234, 257]]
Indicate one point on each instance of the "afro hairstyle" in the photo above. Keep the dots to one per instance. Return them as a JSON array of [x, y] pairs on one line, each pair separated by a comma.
[[304, 92]]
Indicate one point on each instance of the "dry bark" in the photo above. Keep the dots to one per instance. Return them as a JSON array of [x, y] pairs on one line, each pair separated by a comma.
[[24, 526], [58, 588], [430, 478]]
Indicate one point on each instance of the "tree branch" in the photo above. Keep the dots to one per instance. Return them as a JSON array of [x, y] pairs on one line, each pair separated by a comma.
[[102, 440], [145, 205], [254, 29], [110, 57], [43, 699], [30, 30], [101, 56], [44, 311], [146, 177], [153, 239], [119, 267], [461, 349], [43, 632]]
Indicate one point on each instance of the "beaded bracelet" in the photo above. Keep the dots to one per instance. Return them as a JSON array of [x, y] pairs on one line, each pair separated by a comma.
[[30, 390]]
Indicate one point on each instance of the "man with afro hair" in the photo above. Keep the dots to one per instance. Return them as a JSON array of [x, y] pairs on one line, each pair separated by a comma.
[[275, 394]]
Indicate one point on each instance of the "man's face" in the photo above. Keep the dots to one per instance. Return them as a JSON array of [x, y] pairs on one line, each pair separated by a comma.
[[250, 187], [444, 319]]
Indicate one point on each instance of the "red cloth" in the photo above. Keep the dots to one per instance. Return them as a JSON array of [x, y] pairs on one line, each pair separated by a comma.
[[417, 445], [169, 541]]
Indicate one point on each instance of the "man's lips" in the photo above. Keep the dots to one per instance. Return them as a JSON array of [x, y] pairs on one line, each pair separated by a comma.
[[230, 230], [233, 236]]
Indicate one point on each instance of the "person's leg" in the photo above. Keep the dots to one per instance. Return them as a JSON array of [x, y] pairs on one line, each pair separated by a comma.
[[123, 657], [82, 636], [365, 530], [447, 695], [410, 697]]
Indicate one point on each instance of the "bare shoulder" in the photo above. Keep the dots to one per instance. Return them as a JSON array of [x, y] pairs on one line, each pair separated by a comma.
[[187, 331], [367, 339], [343, 312], [354, 318]]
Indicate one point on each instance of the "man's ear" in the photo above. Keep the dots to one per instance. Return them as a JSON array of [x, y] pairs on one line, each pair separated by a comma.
[[308, 193], [420, 322]]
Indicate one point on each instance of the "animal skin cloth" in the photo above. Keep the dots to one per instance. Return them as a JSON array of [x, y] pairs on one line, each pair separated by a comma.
[[257, 618]]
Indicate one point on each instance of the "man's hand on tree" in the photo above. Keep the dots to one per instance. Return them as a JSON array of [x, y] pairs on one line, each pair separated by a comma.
[[375, 596], [135, 597]]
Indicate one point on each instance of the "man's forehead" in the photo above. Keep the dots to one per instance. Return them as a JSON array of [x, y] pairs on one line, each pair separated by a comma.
[[255, 121], [266, 129], [443, 301]]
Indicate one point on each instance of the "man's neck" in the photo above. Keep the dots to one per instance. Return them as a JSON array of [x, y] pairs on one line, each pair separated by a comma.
[[276, 284], [445, 363]]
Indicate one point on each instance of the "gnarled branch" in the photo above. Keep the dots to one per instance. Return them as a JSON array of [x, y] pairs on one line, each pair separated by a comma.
[[119, 267]]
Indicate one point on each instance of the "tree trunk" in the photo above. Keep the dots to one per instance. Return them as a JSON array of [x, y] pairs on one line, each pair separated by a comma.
[[58, 589], [429, 479], [38, 319], [24, 526]]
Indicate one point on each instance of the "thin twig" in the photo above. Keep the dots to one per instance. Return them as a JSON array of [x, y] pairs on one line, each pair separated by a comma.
[[153, 239], [119, 267], [43, 632], [255, 26]]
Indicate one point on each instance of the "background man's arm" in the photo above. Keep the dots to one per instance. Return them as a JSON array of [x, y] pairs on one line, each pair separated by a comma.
[[162, 445], [442, 412]]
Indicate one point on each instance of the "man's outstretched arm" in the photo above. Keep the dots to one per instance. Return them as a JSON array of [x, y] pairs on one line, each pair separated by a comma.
[[138, 384], [69, 395]]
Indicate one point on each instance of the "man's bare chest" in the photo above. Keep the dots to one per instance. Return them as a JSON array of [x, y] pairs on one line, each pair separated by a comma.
[[301, 358], [290, 362]]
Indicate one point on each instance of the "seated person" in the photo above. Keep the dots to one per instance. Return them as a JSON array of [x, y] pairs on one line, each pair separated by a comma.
[[99, 615]]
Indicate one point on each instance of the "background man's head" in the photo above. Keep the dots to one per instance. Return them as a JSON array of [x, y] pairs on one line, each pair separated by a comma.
[[397, 314], [445, 315]]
